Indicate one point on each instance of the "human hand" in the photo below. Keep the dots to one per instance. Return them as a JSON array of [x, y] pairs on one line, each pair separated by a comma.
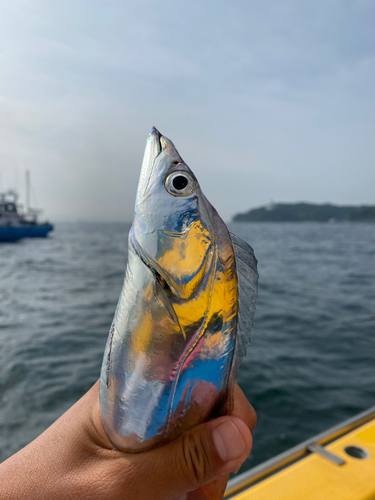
[[74, 459]]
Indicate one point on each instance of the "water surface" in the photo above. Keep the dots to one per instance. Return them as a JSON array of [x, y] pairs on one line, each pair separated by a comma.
[[310, 364]]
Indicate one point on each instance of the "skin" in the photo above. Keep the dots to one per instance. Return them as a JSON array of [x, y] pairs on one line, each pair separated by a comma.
[[74, 458]]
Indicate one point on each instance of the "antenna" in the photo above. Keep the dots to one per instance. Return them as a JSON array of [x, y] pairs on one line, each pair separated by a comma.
[[27, 190]]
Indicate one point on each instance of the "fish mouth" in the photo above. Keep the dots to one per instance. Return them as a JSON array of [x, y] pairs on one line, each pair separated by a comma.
[[152, 151], [157, 136], [156, 145]]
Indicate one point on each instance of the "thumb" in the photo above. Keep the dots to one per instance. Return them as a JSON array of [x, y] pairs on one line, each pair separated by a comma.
[[199, 456]]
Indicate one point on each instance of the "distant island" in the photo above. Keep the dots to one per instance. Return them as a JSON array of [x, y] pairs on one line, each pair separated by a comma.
[[308, 212]]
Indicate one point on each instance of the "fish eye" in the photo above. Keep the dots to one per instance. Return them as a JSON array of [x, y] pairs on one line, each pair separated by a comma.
[[180, 184]]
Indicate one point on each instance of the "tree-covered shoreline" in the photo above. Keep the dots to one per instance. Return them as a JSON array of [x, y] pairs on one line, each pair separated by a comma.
[[308, 212]]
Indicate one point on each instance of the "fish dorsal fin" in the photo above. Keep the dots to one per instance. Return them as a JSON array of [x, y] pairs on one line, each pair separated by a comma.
[[247, 275]]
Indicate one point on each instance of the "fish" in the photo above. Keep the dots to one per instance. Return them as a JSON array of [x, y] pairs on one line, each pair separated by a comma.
[[183, 320]]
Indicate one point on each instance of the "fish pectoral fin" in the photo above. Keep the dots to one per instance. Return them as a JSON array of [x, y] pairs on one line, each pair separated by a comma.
[[247, 275]]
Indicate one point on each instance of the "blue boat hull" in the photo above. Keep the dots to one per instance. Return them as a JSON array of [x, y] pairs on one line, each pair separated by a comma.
[[17, 233]]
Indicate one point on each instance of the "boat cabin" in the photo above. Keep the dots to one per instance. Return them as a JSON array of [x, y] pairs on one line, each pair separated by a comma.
[[16, 224], [8, 208]]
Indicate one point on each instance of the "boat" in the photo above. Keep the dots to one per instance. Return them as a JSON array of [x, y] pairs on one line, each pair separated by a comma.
[[16, 224], [336, 464]]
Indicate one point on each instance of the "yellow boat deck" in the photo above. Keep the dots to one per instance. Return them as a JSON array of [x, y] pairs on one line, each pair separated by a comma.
[[319, 475]]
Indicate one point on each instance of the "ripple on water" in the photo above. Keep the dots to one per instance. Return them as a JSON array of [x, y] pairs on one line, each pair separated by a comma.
[[310, 364]]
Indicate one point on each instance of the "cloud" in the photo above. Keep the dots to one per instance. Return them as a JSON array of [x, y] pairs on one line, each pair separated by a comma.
[[265, 100]]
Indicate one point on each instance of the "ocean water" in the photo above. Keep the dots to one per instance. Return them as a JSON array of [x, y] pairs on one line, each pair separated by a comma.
[[310, 364]]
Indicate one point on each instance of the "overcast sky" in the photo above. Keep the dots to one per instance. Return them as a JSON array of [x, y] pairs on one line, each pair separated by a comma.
[[265, 100]]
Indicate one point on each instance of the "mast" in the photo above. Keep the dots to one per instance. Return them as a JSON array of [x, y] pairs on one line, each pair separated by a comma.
[[27, 191]]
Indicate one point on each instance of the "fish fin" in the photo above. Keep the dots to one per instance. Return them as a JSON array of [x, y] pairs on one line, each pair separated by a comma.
[[247, 275]]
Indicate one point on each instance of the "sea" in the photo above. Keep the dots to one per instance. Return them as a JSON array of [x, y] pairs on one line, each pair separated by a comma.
[[310, 365]]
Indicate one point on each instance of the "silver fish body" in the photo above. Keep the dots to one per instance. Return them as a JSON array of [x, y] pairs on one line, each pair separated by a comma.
[[174, 348]]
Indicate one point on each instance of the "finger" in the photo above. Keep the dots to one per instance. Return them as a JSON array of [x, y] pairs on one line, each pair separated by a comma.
[[204, 454], [192, 463], [243, 409], [211, 491]]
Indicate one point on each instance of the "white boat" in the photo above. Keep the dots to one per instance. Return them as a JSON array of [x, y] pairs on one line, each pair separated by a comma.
[[16, 224]]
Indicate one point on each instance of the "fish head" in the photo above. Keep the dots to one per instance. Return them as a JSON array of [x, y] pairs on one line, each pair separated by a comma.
[[172, 229]]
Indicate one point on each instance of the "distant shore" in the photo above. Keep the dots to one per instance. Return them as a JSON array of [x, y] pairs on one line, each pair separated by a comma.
[[308, 212]]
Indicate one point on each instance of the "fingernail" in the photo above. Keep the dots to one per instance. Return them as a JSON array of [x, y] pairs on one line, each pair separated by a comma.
[[228, 441]]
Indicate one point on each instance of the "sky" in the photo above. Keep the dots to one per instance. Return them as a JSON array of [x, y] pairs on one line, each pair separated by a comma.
[[266, 101]]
